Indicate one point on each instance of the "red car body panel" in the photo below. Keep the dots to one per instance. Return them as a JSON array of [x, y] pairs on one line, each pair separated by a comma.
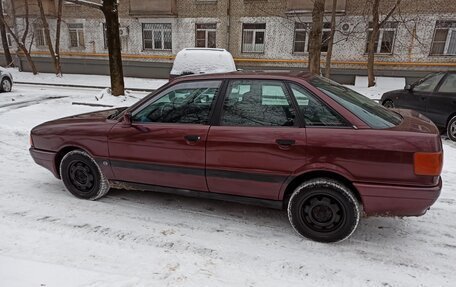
[[248, 161], [131, 146]]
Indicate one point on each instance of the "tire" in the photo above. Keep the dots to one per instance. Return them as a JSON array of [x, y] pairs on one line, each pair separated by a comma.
[[451, 129], [6, 85], [388, 104], [324, 210], [82, 176]]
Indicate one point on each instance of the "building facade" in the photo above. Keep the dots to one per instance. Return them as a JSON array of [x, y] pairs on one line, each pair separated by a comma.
[[418, 38]]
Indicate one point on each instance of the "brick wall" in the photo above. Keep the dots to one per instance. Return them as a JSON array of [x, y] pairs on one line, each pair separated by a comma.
[[417, 18]]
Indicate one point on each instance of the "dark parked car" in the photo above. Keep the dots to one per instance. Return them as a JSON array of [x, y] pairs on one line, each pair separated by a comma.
[[434, 96], [287, 140]]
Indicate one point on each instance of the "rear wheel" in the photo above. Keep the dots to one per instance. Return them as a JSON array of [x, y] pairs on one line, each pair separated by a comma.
[[324, 210], [451, 129], [6, 85], [82, 176], [388, 104]]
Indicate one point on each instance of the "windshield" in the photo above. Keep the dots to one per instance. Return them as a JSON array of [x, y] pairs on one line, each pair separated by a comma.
[[370, 112]]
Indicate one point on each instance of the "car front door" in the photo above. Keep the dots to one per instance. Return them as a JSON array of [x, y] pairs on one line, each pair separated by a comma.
[[257, 142], [416, 98], [442, 103], [165, 143]]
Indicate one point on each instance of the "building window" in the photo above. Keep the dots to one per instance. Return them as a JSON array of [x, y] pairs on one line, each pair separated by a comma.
[[326, 34], [385, 40], [444, 42], [9, 40], [39, 37], [157, 36], [76, 35], [105, 37], [253, 38], [206, 35], [4, 7], [301, 37]]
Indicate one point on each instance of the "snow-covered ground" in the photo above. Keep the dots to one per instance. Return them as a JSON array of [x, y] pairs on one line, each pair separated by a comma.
[[50, 238], [383, 84]]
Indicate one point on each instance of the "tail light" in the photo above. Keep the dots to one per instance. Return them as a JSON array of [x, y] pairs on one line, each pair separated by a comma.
[[428, 163], [31, 141]]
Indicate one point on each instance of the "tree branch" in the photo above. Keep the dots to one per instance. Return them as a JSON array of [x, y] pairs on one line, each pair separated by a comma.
[[398, 2]]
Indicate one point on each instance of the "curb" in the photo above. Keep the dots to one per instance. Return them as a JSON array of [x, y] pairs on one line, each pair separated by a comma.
[[81, 86]]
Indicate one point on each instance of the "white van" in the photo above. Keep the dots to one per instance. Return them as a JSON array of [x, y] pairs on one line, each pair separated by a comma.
[[202, 61]]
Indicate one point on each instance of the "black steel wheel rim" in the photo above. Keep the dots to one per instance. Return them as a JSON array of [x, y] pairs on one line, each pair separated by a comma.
[[322, 213], [81, 176]]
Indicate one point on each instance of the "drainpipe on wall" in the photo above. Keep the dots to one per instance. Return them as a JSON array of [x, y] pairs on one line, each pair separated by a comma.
[[228, 14]]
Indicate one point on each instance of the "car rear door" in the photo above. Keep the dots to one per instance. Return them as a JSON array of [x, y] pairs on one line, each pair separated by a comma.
[[442, 103], [165, 144], [257, 142], [416, 98]]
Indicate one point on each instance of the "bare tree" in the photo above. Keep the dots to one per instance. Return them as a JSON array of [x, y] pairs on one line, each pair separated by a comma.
[[376, 25], [315, 36], [110, 11], [47, 35], [331, 40], [7, 53], [57, 32], [21, 42]]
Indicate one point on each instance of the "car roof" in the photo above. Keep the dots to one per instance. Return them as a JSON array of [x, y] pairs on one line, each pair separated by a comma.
[[262, 74]]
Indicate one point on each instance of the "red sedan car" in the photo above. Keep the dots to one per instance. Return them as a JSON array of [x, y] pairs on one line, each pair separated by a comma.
[[287, 140]]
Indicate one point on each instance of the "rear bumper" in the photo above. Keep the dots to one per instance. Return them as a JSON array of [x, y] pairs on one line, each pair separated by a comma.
[[46, 159], [392, 200]]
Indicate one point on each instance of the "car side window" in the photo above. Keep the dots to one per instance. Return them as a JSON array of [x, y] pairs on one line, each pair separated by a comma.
[[189, 103], [449, 84], [429, 83], [315, 112], [257, 103]]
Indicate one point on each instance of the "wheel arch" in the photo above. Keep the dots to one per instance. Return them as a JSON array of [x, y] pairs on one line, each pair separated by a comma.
[[62, 152], [449, 119], [296, 181]]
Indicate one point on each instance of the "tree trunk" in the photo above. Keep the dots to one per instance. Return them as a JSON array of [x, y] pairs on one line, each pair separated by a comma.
[[331, 40], [371, 45], [47, 35], [21, 42], [110, 10], [23, 48], [315, 36], [8, 58], [57, 33]]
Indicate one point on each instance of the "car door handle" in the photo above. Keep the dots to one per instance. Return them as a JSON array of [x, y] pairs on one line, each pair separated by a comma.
[[192, 138], [285, 142]]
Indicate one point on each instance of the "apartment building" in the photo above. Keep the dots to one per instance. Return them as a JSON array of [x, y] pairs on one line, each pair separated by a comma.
[[420, 37]]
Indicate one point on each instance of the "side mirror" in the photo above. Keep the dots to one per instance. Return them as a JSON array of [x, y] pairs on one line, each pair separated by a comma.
[[408, 87], [126, 120]]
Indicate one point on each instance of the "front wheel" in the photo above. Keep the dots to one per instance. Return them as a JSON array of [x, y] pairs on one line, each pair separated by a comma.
[[82, 176], [6, 85], [388, 104], [451, 129], [324, 210]]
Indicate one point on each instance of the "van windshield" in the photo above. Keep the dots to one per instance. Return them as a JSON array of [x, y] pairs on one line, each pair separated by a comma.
[[370, 112]]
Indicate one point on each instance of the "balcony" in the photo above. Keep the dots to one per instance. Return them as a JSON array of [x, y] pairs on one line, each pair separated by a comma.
[[49, 7], [306, 6], [153, 8]]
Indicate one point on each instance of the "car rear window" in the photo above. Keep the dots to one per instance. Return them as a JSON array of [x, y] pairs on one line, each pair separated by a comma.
[[370, 112]]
